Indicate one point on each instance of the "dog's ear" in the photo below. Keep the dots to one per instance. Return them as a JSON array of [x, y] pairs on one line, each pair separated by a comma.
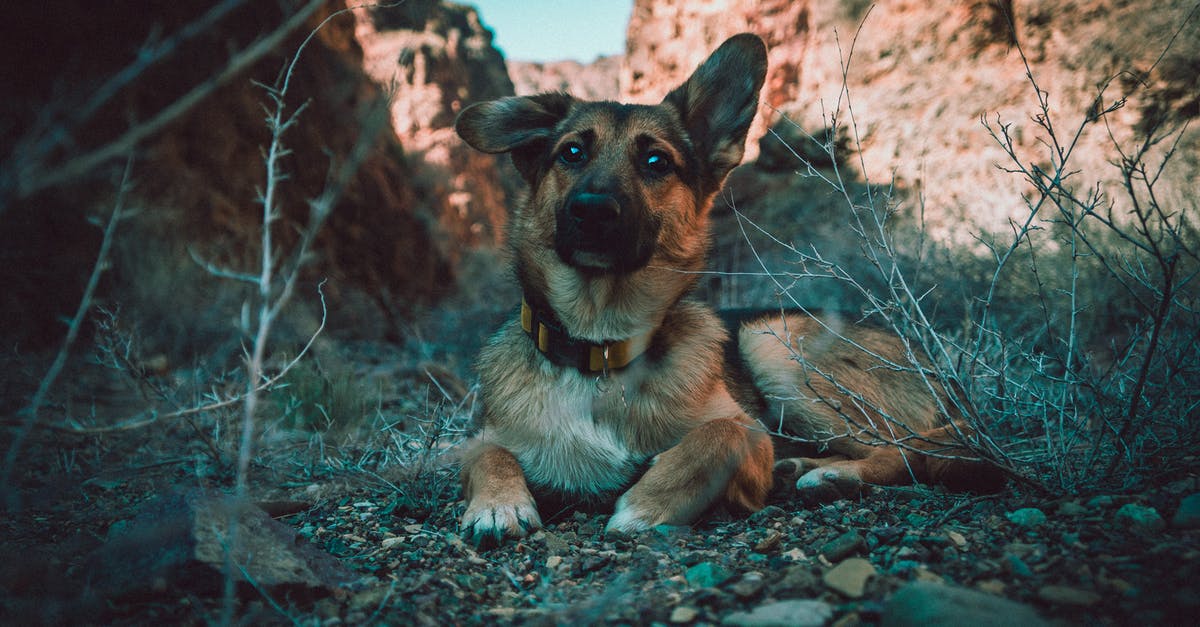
[[718, 103], [519, 125]]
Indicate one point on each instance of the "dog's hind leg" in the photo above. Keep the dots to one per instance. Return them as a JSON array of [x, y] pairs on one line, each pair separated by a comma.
[[934, 457], [728, 458], [498, 500]]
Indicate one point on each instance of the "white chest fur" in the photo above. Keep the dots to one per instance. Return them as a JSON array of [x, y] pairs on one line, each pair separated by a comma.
[[559, 441]]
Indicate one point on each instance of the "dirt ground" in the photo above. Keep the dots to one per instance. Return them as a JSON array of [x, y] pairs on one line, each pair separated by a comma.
[[392, 522]]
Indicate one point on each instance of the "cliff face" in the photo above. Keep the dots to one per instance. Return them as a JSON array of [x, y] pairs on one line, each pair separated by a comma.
[[598, 80], [196, 182], [919, 77], [436, 58]]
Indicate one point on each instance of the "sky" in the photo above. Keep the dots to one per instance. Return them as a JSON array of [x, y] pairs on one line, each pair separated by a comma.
[[552, 30]]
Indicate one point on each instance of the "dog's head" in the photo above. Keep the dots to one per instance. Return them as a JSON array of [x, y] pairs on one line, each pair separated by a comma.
[[615, 186]]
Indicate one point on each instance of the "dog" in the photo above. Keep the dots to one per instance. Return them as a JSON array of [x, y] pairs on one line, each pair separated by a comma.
[[611, 382]]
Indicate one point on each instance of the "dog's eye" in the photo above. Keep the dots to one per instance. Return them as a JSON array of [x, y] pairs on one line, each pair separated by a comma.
[[572, 154], [657, 162]]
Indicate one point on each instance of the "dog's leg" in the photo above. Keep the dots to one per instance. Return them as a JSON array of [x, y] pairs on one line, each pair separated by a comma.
[[726, 457], [890, 465], [498, 500], [792, 468]]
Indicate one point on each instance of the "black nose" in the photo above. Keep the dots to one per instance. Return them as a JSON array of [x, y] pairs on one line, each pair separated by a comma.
[[594, 210]]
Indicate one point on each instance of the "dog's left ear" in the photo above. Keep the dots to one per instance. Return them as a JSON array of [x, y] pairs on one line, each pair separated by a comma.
[[718, 103], [521, 126]]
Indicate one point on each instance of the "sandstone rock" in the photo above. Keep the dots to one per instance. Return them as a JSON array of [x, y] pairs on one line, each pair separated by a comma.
[[438, 58], [591, 81], [795, 613], [922, 604], [850, 577], [911, 122], [181, 539]]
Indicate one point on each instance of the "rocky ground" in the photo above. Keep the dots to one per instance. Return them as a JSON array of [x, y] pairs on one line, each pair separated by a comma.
[[128, 528]]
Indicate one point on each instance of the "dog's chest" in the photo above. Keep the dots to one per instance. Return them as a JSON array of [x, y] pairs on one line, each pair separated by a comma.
[[569, 442]]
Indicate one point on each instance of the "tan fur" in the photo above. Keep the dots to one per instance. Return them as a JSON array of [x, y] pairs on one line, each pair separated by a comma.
[[607, 242]]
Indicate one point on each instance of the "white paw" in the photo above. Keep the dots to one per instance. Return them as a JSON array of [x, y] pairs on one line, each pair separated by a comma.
[[494, 523], [829, 483], [818, 477], [627, 519]]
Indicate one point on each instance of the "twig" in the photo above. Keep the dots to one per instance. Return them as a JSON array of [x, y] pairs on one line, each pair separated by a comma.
[[60, 359]]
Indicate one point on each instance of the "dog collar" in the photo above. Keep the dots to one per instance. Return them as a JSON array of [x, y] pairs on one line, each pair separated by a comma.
[[553, 341]]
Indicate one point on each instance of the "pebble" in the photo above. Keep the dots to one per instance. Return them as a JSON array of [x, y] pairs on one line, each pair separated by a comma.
[[769, 543], [1099, 502], [1064, 595], [1188, 514], [684, 614], [850, 577], [1072, 508], [1029, 517], [767, 513], [707, 575], [842, 546], [794, 613], [957, 538], [749, 585], [924, 604], [554, 561], [1017, 566], [1140, 518]]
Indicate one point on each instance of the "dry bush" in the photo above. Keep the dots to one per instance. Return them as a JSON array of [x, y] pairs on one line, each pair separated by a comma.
[[1067, 343]]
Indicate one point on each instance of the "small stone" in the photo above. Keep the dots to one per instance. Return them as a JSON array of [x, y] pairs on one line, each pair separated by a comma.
[[1064, 595], [1140, 518], [842, 546], [992, 586], [1188, 514], [797, 581], [795, 555], [922, 604], [684, 614], [850, 577], [554, 561], [1029, 517], [707, 575], [767, 513], [1100, 502], [957, 538], [794, 613], [1017, 566], [391, 542], [749, 585], [1072, 508], [556, 544], [769, 543]]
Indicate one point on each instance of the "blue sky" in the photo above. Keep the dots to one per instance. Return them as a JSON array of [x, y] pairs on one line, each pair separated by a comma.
[[551, 30]]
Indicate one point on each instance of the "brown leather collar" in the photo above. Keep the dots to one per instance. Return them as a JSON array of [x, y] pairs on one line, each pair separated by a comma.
[[553, 341]]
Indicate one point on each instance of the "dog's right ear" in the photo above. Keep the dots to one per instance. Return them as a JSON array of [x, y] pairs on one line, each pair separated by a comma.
[[718, 102], [518, 125]]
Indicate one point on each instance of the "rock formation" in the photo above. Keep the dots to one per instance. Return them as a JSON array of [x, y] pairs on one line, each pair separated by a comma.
[[597, 80], [909, 82], [196, 182], [436, 58]]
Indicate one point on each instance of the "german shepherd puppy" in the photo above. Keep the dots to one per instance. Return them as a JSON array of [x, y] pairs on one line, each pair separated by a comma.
[[610, 381]]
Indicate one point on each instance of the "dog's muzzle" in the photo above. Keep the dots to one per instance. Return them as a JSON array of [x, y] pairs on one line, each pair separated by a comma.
[[599, 232]]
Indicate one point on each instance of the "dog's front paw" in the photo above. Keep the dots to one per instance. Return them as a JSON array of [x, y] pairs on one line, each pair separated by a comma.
[[489, 523], [628, 518], [830, 483]]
